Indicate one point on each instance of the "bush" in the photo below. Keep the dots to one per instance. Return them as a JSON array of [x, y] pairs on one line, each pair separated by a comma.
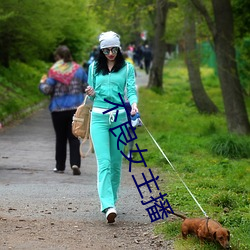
[[231, 146]]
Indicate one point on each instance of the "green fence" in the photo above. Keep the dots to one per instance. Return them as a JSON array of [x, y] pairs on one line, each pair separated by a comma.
[[208, 58]]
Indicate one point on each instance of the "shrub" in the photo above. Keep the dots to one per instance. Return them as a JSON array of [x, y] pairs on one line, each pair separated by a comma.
[[231, 146]]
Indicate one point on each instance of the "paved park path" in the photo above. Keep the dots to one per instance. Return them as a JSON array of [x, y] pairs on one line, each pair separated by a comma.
[[40, 209]]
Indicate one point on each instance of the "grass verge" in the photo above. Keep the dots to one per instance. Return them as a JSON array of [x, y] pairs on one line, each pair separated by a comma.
[[19, 89], [214, 164]]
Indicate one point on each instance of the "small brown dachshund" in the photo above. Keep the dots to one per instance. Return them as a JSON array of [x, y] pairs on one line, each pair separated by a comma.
[[205, 229]]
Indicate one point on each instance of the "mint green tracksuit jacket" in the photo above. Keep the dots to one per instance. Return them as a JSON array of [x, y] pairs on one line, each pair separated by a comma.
[[109, 158]]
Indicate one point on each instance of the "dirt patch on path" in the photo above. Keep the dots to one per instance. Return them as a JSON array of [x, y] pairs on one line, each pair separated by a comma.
[[50, 234]]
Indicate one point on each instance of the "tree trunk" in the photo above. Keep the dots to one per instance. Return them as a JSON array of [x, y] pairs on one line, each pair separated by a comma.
[[223, 38], [201, 99], [233, 97], [159, 46], [4, 50]]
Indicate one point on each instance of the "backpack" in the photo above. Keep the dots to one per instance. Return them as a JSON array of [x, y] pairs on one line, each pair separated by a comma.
[[81, 125]]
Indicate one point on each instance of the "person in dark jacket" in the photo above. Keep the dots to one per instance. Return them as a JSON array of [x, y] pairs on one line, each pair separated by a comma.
[[147, 54]]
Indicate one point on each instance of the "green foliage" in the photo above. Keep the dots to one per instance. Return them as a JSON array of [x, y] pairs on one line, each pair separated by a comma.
[[241, 17], [231, 146], [128, 18], [29, 33], [175, 25], [19, 87], [243, 59], [219, 183]]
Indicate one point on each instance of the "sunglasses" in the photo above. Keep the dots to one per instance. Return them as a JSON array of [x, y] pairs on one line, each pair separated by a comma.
[[106, 51]]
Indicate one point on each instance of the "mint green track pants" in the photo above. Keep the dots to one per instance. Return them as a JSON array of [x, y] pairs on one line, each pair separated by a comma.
[[109, 158]]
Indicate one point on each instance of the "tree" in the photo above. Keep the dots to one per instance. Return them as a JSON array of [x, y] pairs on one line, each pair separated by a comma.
[[159, 44], [28, 33], [223, 38], [23, 33], [201, 99], [126, 17]]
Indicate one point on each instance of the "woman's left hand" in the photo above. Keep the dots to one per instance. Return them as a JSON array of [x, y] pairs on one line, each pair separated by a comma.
[[134, 109]]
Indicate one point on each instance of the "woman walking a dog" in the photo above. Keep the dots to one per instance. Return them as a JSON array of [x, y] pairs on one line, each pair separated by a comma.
[[108, 76]]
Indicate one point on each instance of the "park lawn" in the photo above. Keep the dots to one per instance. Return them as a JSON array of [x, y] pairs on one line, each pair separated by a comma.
[[190, 141]]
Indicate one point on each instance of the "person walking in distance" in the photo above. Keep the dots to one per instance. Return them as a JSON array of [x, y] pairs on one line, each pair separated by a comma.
[[108, 76], [147, 54], [65, 83]]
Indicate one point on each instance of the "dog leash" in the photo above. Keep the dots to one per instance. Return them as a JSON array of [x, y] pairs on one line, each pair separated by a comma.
[[175, 170]]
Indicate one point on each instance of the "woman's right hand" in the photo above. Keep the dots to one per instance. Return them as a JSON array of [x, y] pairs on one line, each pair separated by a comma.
[[90, 91], [134, 109]]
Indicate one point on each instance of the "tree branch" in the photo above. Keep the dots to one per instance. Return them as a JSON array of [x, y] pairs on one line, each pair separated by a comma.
[[202, 9]]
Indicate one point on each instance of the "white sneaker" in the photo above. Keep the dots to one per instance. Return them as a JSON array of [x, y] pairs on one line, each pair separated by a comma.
[[111, 214], [58, 171]]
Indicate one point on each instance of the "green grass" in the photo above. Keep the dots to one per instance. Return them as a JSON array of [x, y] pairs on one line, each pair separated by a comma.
[[214, 164], [19, 88]]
